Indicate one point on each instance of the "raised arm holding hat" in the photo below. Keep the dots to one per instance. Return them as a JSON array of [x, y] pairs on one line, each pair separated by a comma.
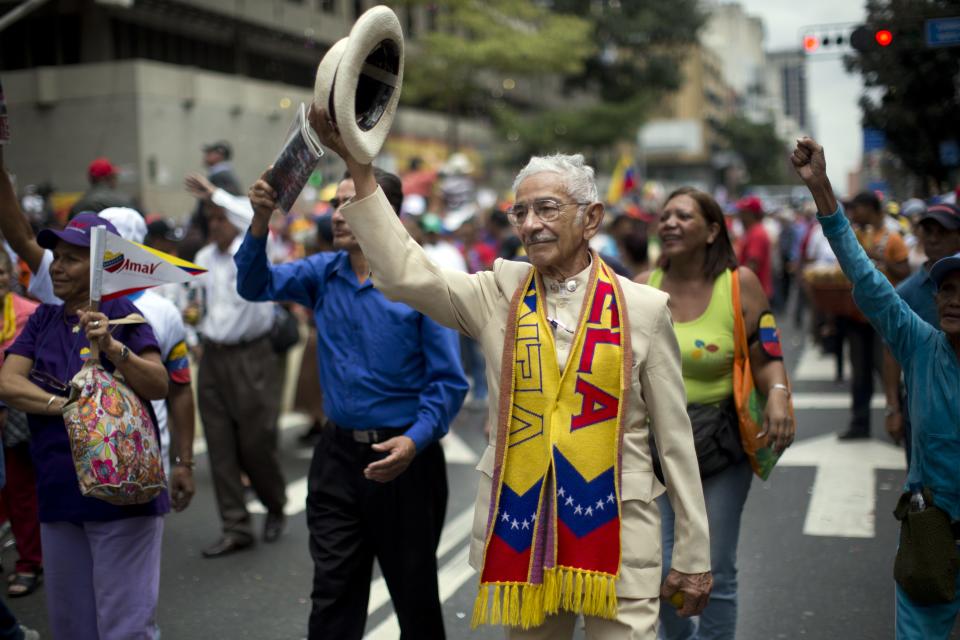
[[564, 522]]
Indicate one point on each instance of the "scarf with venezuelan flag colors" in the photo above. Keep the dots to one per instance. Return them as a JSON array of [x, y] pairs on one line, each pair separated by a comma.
[[553, 531]]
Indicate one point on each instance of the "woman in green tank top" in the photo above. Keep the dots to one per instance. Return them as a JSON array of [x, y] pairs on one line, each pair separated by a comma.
[[697, 265]]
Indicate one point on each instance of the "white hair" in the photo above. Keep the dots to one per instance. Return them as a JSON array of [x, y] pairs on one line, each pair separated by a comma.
[[576, 175]]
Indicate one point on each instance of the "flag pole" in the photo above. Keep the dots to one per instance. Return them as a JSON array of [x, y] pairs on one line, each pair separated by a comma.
[[98, 241]]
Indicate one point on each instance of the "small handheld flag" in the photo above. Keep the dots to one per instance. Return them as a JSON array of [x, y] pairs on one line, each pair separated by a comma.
[[128, 267]]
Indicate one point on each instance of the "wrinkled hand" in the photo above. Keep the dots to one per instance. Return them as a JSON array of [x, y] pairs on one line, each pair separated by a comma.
[[198, 186], [96, 326], [328, 132], [809, 161], [894, 425], [263, 198], [695, 588], [777, 422], [400, 453], [181, 487]]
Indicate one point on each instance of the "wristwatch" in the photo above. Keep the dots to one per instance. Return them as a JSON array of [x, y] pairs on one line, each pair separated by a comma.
[[890, 410], [124, 353]]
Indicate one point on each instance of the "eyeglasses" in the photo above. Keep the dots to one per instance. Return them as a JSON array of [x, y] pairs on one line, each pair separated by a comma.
[[545, 210], [47, 382], [336, 203]]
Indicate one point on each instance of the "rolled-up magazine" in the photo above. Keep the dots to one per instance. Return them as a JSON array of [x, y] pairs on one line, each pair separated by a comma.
[[4, 126], [296, 161]]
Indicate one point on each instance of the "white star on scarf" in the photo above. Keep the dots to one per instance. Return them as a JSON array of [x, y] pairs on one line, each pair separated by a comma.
[[569, 501], [505, 517], [589, 511], [610, 498], [561, 492], [600, 505], [526, 525], [514, 524], [578, 510]]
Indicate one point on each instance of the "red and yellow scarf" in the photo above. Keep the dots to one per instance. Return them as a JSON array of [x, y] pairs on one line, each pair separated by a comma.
[[553, 530]]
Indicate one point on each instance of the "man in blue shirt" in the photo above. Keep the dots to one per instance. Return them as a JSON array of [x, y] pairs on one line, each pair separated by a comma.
[[939, 233], [392, 384]]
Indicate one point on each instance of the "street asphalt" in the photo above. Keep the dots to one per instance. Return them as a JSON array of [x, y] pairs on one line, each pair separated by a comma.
[[792, 585]]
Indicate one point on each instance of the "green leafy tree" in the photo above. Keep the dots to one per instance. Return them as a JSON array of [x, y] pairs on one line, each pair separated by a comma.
[[764, 154], [480, 48], [911, 90], [638, 59]]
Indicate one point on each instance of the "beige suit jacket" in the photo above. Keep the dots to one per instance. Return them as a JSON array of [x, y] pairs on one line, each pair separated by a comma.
[[478, 304]]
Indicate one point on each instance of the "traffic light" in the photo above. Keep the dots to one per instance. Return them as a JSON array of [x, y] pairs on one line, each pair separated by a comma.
[[866, 39], [826, 39]]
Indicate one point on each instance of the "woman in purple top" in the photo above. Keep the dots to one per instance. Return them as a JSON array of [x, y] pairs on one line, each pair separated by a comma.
[[102, 561]]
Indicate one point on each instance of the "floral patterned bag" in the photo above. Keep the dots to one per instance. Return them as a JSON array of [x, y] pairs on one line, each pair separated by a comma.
[[115, 445]]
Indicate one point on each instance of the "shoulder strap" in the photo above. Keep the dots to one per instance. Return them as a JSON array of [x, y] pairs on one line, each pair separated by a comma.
[[739, 331]]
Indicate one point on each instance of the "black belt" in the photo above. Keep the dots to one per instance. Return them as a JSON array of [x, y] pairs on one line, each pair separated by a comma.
[[210, 344], [367, 436]]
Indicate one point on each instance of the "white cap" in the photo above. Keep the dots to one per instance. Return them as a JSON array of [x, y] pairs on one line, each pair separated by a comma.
[[129, 223]]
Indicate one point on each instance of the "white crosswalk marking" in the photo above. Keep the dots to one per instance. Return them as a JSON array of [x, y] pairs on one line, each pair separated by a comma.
[[452, 536], [296, 499], [832, 400]]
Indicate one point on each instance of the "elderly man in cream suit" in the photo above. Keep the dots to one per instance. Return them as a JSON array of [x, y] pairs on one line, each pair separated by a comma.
[[565, 520]]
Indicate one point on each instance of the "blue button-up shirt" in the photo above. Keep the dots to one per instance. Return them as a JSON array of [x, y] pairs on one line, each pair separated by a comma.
[[930, 366], [382, 364]]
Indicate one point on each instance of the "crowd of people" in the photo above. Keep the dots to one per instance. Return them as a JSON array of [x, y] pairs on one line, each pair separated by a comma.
[[421, 294]]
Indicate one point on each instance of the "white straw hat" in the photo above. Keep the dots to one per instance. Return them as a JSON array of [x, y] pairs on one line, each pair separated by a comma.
[[359, 79]]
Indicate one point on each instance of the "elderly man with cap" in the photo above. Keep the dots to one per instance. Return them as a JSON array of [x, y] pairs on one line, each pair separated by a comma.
[[103, 191], [938, 230], [239, 386], [930, 358], [392, 385], [582, 365]]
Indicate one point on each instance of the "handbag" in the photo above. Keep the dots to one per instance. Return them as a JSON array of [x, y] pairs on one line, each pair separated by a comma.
[[927, 563], [113, 438], [16, 430], [749, 403], [716, 438], [285, 331]]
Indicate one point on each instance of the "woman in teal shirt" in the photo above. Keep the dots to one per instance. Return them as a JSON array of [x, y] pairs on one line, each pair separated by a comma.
[[930, 359]]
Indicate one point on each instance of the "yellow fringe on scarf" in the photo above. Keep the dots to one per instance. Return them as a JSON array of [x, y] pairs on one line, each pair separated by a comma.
[[527, 605]]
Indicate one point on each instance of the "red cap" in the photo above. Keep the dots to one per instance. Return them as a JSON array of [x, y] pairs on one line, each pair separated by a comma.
[[750, 204], [101, 168]]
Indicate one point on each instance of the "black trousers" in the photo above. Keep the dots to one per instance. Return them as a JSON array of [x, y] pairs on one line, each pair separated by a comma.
[[866, 358], [353, 520]]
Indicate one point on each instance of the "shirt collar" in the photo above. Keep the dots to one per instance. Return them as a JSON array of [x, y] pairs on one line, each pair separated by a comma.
[[569, 285], [341, 267]]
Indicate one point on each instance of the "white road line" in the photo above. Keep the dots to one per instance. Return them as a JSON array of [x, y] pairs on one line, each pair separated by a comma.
[[843, 500], [832, 400], [814, 365], [296, 499], [452, 575], [452, 536]]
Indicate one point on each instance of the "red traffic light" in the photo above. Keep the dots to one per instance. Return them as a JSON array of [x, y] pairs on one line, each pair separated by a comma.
[[811, 43], [883, 37]]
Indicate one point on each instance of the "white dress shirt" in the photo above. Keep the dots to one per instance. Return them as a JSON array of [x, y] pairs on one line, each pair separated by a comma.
[[228, 318], [564, 300]]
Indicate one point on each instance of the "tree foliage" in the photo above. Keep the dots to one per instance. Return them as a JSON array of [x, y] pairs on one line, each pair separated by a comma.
[[609, 60], [911, 90], [638, 59], [477, 44], [763, 152]]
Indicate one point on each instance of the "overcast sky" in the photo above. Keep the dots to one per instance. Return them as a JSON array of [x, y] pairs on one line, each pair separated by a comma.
[[833, 93]]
